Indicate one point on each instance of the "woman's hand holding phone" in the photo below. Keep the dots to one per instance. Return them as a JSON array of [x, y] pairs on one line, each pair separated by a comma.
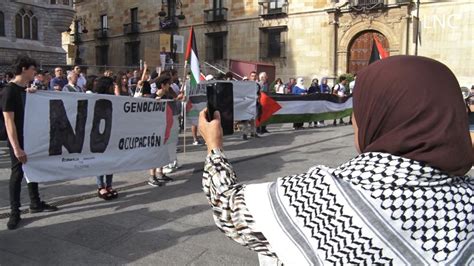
[[211, 131]]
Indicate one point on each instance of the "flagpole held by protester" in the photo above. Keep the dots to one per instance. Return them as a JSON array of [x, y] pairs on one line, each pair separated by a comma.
[[184, 111], [185, 102], [192, 59]]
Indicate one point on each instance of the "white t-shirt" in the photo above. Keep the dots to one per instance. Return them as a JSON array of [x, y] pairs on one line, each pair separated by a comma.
[[280, 89], [153, 88], [341, 89], [81, 82], [163, 61], [352, 85], [175, 88]]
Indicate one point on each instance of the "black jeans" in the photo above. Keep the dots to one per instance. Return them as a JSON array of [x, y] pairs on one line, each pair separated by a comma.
[[16, 178], [298, 125]]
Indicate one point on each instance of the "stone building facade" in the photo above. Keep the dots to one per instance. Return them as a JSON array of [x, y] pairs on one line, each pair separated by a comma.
[[34, 27], [301, 38]]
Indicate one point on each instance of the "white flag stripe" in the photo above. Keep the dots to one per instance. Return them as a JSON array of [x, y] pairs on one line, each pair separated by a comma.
[[195, 66], [312, 107]]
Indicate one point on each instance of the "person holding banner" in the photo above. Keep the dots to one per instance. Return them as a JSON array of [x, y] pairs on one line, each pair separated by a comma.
[[105, 85], [341, 91], [13, 99], [299, 89], [406, 199], [157, 176], [325, 89], [176, 88], [264, 87]]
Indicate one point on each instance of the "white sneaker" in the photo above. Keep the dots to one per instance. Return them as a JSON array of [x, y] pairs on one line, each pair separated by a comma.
[[170, 168], [197, 143]]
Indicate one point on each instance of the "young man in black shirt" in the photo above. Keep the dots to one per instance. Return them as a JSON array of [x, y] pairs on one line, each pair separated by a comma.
[[13, 106]]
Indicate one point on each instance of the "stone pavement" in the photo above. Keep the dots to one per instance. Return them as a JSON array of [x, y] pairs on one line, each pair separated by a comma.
[[170, 225]]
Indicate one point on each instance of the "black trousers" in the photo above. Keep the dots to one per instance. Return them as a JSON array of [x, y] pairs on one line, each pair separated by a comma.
[[298, 125], [16, 178]]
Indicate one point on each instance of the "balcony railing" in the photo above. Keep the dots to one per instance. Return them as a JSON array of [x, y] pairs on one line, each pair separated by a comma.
[[169, 23], [131, 28], [366, 5], [215, 15], [62, 2], [101, 33], [273, 8]]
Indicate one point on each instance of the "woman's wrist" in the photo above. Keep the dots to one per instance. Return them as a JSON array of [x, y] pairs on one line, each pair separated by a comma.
[[213, 149]]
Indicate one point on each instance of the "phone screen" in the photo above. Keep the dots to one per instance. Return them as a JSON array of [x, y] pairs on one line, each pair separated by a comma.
[[220, 97]]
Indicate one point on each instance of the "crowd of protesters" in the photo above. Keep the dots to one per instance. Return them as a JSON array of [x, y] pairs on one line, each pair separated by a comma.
[[141, 82], [26, 78]]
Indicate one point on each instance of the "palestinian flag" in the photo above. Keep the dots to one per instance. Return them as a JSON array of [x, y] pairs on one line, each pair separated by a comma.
[[192, 58], [378, 52], [310, 108], [269, 107], [194, 106]]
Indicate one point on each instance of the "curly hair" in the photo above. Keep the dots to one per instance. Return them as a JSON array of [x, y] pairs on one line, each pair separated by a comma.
[[21, 62]]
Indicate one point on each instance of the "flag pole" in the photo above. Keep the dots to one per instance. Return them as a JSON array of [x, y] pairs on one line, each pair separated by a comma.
[[185, 105], [188, 58]]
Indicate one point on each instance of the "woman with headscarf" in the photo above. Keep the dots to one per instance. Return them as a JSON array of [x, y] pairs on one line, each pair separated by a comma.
[[324, 87], [299, 89], [314, 88], [405, 199]]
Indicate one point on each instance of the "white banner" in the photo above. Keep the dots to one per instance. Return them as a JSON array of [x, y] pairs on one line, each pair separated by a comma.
[[245, 100], [72, 135]]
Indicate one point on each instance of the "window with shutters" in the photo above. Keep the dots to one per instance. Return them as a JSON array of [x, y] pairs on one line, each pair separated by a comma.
[[216, 46], [102, 55], [2, 24], [132, 53], [273, 42]]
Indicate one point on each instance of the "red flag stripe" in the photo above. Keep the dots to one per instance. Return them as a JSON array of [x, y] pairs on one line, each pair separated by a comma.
[[382, 52], [269, 107], [190, 44]]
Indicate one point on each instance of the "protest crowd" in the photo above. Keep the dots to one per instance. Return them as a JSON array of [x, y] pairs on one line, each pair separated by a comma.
[[157, 84], [165, 84]]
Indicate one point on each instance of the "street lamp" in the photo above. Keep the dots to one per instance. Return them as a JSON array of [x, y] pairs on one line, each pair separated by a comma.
[[171, 4], [417, 30], [167, 20], [79, 28]]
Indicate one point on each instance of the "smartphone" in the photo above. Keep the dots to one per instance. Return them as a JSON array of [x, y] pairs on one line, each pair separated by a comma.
[[220, 97]]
